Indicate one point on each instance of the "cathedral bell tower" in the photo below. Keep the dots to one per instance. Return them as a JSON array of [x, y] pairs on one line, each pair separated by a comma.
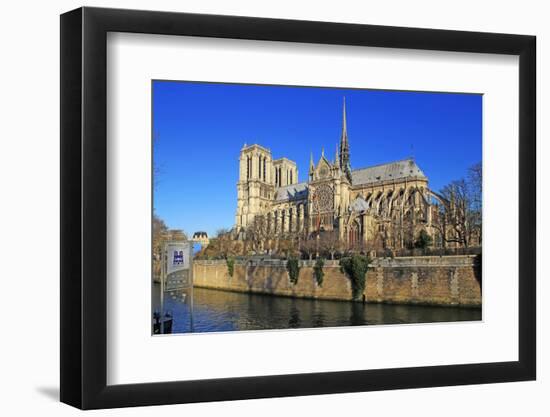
[[256, 184]]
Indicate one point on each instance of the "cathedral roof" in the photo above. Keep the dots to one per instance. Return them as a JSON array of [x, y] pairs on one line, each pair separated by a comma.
[[292, 192], [398, 170]]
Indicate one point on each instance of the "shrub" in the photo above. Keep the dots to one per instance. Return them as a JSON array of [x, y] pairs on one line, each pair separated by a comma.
[[230, 262], [318, 271], [293, 268], [424, 240], [355, 268]]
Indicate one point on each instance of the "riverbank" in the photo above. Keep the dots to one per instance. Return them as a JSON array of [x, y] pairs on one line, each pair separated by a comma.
[[225, 311], [425, 280]]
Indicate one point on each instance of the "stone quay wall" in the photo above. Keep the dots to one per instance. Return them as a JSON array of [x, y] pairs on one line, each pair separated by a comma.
[[426, 280]]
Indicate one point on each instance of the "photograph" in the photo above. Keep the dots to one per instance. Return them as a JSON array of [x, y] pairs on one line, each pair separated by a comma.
[[286, 207]]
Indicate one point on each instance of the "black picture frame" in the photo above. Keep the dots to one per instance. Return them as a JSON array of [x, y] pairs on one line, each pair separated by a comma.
[[84, 207]]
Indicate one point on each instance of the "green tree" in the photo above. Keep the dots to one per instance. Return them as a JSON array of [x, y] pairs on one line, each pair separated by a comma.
[[424, 240]]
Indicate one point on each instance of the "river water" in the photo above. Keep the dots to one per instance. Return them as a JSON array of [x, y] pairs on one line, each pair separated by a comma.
[[222, 311]]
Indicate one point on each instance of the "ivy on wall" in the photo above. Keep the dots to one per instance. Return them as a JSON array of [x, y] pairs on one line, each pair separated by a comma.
[[293, 268], [318, 271], [230, 262], [355, 268]]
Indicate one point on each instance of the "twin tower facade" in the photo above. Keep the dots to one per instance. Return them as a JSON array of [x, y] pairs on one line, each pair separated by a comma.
[[356, 204]]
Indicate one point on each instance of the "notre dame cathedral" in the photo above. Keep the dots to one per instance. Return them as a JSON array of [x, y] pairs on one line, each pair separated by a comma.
[[389, 202]]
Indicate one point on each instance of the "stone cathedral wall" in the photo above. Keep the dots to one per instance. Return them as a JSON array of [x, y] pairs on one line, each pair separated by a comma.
[[427, 280]]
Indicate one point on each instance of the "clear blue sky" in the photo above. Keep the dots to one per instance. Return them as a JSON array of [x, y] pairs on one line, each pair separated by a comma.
[[199, 129]]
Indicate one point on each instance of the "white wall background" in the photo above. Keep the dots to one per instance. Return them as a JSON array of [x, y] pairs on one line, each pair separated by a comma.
[[29, 178]]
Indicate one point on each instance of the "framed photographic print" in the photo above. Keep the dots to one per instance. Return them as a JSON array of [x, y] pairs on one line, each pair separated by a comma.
[[257, 208]]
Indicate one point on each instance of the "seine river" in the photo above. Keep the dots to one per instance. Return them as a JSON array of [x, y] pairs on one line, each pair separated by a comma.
[[222, 311]]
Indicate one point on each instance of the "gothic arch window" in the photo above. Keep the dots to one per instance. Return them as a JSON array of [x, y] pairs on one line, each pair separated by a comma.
[[247, 166], [259, 166], [354, 233]]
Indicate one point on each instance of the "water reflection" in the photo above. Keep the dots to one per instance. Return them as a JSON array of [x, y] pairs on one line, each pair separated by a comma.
[[218, 311]]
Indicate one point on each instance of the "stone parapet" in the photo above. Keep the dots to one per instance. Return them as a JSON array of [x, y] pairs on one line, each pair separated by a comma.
[[427, 280]]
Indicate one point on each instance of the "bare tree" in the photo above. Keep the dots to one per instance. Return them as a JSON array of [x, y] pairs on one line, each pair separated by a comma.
[[159, 235], [458, 213], [458, 218], [475, 185], [308, 247], [257, 234], [289, 244], [439, 223], [223, 242], [330, 242]]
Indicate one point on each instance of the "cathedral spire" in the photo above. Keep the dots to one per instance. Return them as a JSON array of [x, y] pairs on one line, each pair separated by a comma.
[[344, 124], [311, 164], [344, 145]]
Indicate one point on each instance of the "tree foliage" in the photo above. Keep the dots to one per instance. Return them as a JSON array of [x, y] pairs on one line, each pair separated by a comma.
[[355, 268], [423, 240]]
